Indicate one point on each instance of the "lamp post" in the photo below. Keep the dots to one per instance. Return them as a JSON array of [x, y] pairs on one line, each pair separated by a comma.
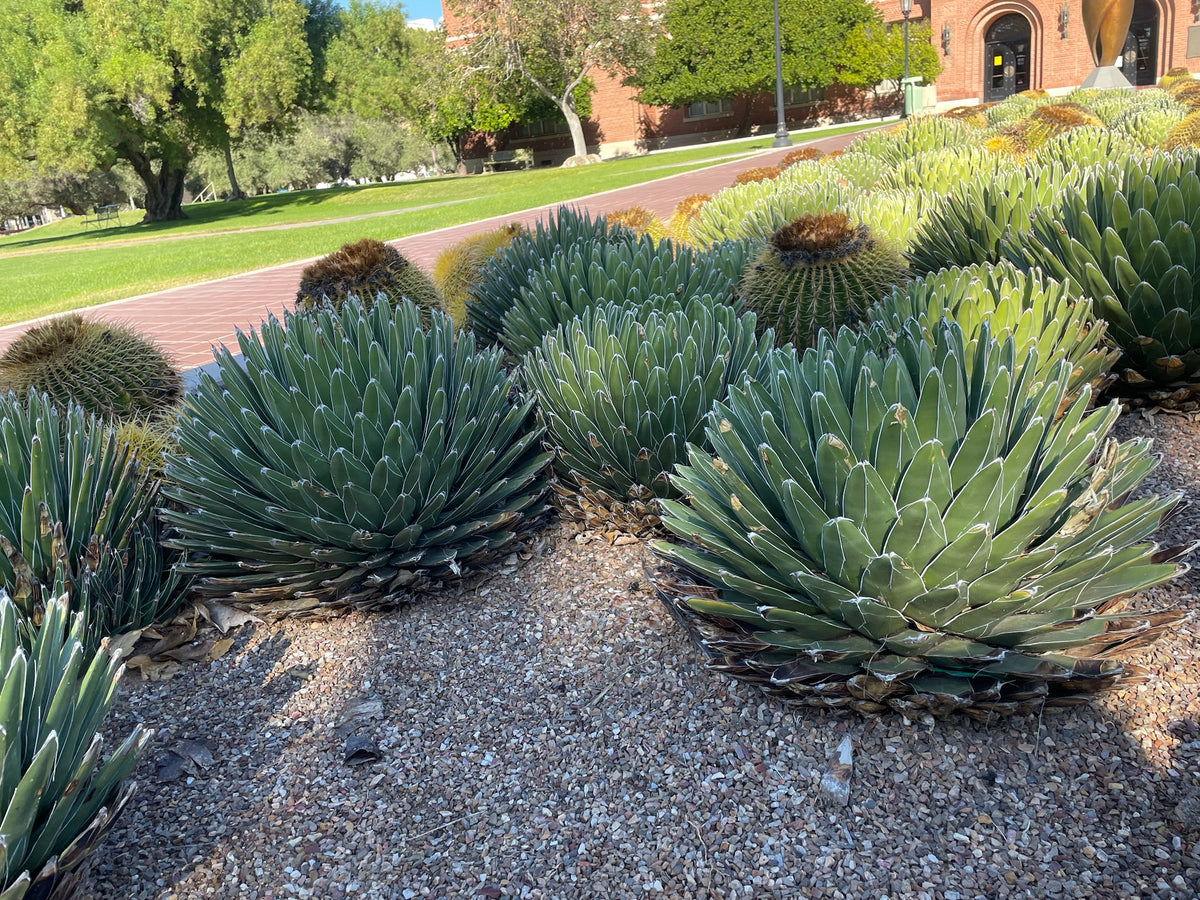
[[906, 11], [781, 133]]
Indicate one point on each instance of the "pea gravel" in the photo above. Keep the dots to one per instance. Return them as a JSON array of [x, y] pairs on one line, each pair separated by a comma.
[[548, 733]]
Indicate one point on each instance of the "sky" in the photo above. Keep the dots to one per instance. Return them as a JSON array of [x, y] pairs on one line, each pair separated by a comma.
[[423, 9]]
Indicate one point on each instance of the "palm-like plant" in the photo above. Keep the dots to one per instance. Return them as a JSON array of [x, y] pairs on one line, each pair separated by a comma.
[[622, 391], [915, 528], [57, 799], [350, 457]]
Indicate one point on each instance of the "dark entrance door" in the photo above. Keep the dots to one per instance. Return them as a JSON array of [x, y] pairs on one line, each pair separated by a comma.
[[1006, 57], [1141, 46]]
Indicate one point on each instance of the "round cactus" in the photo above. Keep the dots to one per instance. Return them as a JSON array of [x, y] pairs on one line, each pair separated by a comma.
[[639, 220], [109, 370], [1173, 75], [818, 272], [758, 173], [972, 115], [1185, 133], [680, 224], [800, 154], [459, 267], [364, 269]]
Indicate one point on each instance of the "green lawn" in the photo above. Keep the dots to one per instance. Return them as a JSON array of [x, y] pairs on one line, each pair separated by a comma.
[[37, 279]]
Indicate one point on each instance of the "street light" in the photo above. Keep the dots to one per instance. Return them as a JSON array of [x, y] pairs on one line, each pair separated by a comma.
[[906, 10], [781, 133]]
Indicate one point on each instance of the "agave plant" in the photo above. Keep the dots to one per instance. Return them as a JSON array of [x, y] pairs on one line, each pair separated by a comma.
[[1150, 126], [968, 225], [1051, 120], [859, 171], [911, 529], [507, 271], [622, 391], [944, 170], [1013, 108], [1033, 308], [893, 215], [1085, 147], [752, 211], [819, 272], [74, 497], [578, 277], [918, 135], [1130, 238], [351, 456], [108, 369], [57, 799]]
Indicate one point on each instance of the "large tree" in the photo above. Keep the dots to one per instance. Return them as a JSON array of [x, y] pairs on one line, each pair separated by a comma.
[[555, 45], [86, 82], [718, 49], [875, 55]]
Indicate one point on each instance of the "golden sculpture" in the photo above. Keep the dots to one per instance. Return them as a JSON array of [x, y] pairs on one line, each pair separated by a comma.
[[1106, 24]]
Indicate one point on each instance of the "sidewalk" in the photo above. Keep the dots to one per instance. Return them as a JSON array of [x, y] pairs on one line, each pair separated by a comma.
[[188, 321]]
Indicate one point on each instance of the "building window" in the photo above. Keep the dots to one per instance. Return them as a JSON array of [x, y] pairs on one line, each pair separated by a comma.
[[540, 128], [795, 96], [707, 109]]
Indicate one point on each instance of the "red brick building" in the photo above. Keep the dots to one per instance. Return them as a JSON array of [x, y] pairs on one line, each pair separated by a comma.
[[989, 49], [993, 49]]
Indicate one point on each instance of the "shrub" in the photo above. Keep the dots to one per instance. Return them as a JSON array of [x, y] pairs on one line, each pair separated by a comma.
[[508, 270], [579, 277], [915, 528], [623, 391], [459, 267], [354, 455], [73, 498], [110, 370], [818, 272], [365, 269], [58, 799]]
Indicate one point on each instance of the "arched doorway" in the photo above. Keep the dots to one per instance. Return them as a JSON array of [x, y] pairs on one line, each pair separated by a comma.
[[1140, 56], [1006, 57]]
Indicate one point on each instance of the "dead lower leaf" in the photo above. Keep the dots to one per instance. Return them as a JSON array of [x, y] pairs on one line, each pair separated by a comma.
[[225, 617], [124, 643], [153, 670], [220, 648]]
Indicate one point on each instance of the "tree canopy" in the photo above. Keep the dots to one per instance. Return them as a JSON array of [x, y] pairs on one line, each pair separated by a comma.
[[875, 54], [554, 45], [714, 49], [85, 83]]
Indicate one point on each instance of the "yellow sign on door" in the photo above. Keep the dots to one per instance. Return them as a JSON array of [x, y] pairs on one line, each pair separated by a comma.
[[998, 61]]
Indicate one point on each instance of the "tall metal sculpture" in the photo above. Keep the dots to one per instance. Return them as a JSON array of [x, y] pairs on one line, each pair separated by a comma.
[[1106, 24]]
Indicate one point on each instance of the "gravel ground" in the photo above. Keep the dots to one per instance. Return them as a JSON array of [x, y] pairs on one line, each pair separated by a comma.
[[549, 733]]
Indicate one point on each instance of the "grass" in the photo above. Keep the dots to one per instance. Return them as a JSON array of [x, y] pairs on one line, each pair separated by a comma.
[[38, 278]]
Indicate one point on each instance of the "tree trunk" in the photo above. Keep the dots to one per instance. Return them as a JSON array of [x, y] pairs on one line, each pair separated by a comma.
[[235, 189], [746, 103], [575, 126], [164, 188]]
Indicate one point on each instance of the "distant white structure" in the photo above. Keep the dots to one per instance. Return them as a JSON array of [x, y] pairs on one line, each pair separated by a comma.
[[423, 24]]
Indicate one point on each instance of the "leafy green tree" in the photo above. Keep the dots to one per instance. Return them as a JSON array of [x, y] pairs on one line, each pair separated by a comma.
[[554, 45], [87, 82], [718, 49], [875, 55]]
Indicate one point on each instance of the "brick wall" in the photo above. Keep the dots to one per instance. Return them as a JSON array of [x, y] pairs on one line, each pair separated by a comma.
[[1055, 61], [620, 124]]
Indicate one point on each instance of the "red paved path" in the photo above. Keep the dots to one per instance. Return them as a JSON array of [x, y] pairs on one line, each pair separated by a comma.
[[188, 321]]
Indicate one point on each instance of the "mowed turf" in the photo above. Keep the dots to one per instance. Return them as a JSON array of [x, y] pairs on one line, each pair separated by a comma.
[[61, 267]]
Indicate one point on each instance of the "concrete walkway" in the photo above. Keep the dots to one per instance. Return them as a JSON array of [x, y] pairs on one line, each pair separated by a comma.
[[188, 321]]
